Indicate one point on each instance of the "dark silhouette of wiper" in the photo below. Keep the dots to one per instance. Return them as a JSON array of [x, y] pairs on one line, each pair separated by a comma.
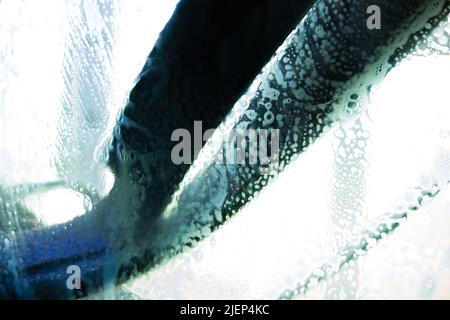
[[204, 60]]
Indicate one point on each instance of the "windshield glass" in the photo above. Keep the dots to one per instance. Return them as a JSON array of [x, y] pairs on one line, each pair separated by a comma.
[[67, 68]]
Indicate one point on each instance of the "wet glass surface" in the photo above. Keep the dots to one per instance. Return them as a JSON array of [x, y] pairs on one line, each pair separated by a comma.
[[362, 213], [67, 68]]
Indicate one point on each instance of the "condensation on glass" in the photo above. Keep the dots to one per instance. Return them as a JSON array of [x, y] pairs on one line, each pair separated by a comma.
[[314, 232]]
